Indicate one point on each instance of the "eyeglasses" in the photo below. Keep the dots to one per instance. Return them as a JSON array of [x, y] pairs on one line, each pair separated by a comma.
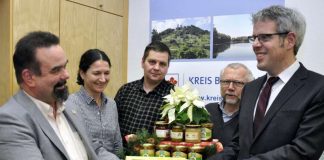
[[227, 83], [264, 37]]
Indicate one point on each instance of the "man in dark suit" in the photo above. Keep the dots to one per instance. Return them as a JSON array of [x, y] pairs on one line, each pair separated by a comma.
[[34, 123], [292, 127], [224, 115]]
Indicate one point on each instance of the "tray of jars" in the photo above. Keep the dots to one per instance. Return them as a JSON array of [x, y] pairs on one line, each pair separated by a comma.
[[180, 149]]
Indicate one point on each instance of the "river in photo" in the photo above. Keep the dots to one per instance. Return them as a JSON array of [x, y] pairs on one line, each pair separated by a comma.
[[237, 51]]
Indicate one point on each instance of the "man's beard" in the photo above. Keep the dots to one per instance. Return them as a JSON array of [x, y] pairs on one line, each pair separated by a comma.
[[232, 101], [61, 95]]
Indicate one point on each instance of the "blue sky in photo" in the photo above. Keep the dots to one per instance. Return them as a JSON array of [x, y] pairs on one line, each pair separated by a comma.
[[201, 22], [174, 9], [234, 25]]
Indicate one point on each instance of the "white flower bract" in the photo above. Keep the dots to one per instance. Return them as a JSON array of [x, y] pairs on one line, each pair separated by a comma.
[[183, 98]]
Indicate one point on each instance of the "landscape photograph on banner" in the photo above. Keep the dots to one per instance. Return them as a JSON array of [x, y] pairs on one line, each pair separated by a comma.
[[230, 37], [206, 38], [188, 38]]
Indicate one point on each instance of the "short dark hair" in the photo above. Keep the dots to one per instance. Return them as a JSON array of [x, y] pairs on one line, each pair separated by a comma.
[[156, 46], [89, 57], [25, 52]]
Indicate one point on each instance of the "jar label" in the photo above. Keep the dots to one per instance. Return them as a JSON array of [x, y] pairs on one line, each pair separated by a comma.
[[162, 153], [192, 136], [176, 135], [179, 154], [194, 156], [161, 133], [147, 152], [206, 134]]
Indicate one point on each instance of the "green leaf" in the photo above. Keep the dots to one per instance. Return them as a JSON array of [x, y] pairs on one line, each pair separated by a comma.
[[200, 116]]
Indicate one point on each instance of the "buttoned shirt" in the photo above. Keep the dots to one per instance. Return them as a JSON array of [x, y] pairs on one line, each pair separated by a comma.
[[226, 116], [138, 109], [70, 140], [284, 77], [101, 121]]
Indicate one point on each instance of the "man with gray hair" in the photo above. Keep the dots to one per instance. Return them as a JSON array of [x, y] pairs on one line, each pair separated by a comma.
[[224, 115], [281, 113]]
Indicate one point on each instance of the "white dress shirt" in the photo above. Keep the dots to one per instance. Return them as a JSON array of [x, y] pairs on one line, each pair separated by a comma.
[[284, 77], [70, 140]]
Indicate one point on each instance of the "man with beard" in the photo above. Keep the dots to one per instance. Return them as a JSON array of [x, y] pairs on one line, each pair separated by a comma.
[[224, 115], [34, 123]]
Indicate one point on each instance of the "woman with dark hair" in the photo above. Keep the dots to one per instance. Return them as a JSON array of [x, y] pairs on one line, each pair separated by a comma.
[[99, 112]]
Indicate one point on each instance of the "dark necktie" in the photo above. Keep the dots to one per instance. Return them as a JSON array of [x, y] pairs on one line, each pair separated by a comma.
[[263, 102]]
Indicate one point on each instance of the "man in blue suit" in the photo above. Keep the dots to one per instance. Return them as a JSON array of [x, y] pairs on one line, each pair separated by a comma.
[[292, 125], [34, 123]]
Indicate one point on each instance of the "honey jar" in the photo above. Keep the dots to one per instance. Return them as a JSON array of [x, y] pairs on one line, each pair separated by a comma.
[[162, 130], [163, 151], [193, 133], [147, 150], [180, 152], [195, 153], [177, 133], [206, 132]]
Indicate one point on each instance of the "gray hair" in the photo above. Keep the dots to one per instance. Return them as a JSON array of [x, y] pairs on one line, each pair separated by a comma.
[[248, 77], [287, 20]]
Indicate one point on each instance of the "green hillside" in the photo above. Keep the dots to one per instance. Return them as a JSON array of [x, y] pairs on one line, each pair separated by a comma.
[[191, 42], [185, 42]]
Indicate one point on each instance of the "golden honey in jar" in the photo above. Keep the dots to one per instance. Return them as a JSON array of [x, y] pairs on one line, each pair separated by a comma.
[[206, 132], [195, 153], [177, 133], [147, 150], [162, 130], [193, 133], [180, 152], [163, 151]]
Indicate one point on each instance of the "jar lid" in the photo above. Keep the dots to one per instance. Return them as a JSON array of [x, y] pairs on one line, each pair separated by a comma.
[[148, 145], [181, 148], [177, 126], [193, 125], [197, 149], [164, 146], [161, 123], [208, 125]]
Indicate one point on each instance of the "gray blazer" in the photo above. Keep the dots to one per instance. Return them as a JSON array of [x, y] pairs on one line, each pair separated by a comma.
[[26, 134]]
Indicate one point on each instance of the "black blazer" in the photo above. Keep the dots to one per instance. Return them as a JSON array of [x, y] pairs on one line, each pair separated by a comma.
[[222, 131], [293, 127]]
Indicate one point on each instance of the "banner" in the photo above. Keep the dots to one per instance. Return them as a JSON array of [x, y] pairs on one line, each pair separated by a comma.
[[204, 36]]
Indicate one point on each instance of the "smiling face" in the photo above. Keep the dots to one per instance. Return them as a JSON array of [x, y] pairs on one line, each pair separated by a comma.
[[50, 86], [276, 54], [231, 93], [155, 67], [96, 78]]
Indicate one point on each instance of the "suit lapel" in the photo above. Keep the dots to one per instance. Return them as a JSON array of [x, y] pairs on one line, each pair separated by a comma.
[[289, 89], [37, 115], [77, 126]]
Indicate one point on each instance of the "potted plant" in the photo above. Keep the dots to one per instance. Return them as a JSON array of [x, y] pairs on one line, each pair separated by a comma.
[[184, 106]]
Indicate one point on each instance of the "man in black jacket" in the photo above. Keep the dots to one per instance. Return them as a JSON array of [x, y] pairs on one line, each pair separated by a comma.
[[224, 115]]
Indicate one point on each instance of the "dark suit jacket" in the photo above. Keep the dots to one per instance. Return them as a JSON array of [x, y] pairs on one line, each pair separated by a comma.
[[293, 127], [222, 131], [25, 134]]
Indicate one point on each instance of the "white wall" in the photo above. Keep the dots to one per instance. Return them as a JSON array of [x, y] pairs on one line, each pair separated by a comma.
[[138, 36], [311, 53]]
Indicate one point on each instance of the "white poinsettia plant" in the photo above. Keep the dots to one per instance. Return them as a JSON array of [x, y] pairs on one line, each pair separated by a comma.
[[183, 105]]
